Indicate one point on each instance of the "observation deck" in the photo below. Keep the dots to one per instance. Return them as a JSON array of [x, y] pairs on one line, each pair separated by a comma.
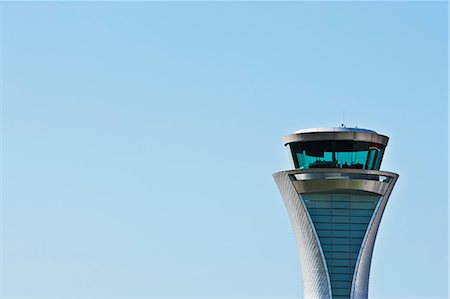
[[339, 147]]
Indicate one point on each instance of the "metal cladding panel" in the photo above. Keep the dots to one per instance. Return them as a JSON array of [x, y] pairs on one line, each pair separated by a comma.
[[316, 281]]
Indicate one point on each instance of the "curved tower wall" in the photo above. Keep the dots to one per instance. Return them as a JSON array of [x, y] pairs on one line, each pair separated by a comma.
[[335, 229], [316, 282]]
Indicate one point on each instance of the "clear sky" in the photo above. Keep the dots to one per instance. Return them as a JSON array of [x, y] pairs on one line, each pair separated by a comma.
[[139, 141]]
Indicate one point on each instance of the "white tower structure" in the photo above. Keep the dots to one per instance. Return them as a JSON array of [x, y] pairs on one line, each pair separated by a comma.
[[335, 198]]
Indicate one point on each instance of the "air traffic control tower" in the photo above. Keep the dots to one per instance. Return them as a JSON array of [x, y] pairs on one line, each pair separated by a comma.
[[335, 199]]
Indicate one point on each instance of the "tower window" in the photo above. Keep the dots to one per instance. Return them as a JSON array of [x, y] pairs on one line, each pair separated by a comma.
[[337, 154]]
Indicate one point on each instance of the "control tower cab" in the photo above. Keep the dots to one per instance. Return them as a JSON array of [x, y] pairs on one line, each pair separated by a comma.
[[336, 148]]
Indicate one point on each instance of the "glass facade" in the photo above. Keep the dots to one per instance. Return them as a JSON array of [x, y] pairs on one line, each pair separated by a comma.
[[337, 154], [341, 221]]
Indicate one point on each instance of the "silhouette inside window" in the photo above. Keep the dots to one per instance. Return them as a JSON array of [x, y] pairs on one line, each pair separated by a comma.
[[337, 154]]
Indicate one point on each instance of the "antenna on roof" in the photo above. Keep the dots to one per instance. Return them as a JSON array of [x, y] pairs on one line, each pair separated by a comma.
[[343, 119]]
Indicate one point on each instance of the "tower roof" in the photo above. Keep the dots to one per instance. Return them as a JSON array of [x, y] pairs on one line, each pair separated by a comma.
[[333, 129], [337, 133]]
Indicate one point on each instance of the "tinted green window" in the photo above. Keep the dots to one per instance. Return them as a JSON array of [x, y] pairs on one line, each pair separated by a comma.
[[345, 263], [341, 291], [340, 241], [341, 277], [337, 154]]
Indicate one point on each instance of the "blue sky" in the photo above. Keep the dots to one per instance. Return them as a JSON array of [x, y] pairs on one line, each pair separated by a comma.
[[139, 141]]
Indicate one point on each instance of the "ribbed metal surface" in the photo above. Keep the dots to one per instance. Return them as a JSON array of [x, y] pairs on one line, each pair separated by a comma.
[[316, 282], [360, 288]]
